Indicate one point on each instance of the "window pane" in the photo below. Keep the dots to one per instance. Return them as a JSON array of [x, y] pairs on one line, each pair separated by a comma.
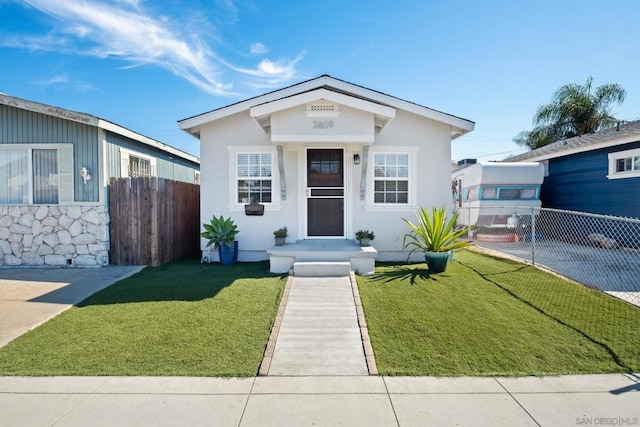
[[636, 163], [45, 176], [243, 170], [528, 193], [489, 193], [509, 193], [14, 176], [139, 167], [254, 191]]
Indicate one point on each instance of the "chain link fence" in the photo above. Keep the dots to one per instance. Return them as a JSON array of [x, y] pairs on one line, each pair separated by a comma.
[[601, 252]]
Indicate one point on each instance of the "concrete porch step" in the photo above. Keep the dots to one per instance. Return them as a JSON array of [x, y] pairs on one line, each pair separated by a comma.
[[321, 269], [362, 259]]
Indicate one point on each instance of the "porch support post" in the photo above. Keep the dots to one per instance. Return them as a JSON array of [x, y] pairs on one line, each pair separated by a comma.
[[283, 181], [363, 177]]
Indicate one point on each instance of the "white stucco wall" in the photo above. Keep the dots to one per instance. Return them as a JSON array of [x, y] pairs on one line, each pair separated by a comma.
[[432, 143], [429, 141]]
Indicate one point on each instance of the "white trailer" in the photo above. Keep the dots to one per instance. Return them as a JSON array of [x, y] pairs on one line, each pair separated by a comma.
[[489, 193]]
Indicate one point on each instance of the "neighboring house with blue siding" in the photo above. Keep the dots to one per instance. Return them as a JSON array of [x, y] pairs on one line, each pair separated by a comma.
[[55, 166], [596, 173]]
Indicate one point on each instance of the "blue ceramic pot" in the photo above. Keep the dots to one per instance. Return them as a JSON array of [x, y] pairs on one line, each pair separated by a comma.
[[228, 254], [438, 261]]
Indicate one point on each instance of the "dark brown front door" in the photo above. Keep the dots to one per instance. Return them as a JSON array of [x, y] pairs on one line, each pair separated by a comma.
[[325, 193]]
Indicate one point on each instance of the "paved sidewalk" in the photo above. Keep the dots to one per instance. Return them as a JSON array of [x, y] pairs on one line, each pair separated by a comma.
[[319, 333], [31, 296], [320, 401]]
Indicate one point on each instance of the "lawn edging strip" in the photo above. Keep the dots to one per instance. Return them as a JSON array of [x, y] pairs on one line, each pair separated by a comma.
[[364, 331], [271, 344]]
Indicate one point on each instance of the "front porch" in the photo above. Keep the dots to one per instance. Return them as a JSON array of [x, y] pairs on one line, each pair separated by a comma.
[[361, 259]]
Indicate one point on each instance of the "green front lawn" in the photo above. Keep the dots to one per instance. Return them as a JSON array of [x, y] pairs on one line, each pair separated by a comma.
[[183, 318], [486, 316]]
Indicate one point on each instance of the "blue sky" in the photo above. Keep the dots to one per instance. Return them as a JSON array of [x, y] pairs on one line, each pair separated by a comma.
[[146, 64]]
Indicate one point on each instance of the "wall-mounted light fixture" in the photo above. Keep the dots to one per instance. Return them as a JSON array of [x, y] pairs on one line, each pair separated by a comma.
[[84, 173], [356, 159]]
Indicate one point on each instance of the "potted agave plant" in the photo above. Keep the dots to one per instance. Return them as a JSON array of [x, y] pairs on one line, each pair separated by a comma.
[[221, 233], [433, 235], [280, 236]]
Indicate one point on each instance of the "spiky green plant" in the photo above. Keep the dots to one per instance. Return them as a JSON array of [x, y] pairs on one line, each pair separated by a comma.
[[432, 232], [220, 231]]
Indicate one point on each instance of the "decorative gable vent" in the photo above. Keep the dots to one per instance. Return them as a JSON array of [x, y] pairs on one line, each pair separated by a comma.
[[322, 109]]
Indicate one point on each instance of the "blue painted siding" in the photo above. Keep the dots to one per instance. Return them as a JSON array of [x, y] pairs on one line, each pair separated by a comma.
[[18, 126], [168, 166], [579, 183]]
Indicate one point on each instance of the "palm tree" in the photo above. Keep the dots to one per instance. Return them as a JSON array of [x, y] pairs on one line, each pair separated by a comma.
[[574, 110]]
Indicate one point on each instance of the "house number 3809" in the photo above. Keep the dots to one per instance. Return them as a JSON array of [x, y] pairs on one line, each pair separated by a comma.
[[322, 124]]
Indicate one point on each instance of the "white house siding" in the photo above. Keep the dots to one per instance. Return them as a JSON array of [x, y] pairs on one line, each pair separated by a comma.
[[431, 180], [39, 235], [429, 141]]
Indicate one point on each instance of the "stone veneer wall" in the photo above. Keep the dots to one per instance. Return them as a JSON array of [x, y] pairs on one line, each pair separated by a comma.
[[54, 235]]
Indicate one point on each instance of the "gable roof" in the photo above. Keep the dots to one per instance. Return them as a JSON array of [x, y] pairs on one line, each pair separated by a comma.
[[459, 126], [90, 120], [621, 134]]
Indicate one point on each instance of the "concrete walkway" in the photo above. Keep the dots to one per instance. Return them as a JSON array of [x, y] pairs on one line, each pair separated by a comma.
[[319, 333], [31, 296], [320, 401]]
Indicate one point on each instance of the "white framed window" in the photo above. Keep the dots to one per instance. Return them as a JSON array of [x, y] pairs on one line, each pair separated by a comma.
[[254, 177], [134, 164], [196, 177], [36, 174], [624, 164], [391, 178]]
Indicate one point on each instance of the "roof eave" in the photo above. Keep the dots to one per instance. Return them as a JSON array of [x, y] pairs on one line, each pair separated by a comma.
[[463, 125]]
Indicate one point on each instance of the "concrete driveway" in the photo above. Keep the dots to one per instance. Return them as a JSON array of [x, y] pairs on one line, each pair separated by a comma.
[[30, 297]]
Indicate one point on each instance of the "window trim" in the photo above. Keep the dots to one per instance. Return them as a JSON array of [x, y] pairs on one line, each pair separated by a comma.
[[619, 155], [66, 176], [125, 155], [233, 204], [412, 153]]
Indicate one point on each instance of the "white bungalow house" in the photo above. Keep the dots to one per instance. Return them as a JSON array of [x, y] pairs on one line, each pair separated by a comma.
[[325, 158]]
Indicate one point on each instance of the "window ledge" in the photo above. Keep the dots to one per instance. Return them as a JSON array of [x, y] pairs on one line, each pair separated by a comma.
[[390, 208], [624, 175], [270, 208]]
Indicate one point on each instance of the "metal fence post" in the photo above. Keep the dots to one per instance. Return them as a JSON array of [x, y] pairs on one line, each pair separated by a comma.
[[533, 236]]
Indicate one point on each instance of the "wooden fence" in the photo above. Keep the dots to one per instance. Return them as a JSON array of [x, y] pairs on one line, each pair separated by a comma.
[[153, 220]]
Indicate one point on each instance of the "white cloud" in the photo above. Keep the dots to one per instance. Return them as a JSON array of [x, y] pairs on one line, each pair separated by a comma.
[[63, 80], [258, 49], [280, 70], [123, 30]]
